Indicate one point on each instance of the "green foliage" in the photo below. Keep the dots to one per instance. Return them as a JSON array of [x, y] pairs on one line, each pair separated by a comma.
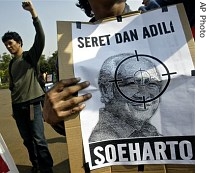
[[4, 67], [52, 61], [46, 65]]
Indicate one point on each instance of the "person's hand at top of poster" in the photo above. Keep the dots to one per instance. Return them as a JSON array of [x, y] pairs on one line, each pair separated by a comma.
[[61, 101]]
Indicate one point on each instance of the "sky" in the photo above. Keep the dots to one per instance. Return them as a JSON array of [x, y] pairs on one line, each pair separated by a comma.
[[14, 18]]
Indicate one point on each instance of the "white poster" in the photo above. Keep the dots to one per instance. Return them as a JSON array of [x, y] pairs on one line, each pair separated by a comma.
[[141, 74]]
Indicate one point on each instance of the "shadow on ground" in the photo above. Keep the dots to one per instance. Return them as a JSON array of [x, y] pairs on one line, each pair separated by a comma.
[[56, 140], [62, 167], [23, 168]]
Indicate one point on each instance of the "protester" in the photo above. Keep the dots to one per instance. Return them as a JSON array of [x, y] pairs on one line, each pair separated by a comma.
[[120, 117], [26, 93], [148, 5]]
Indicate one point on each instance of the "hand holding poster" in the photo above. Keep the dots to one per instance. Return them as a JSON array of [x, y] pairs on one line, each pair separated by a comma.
[[142, 107]]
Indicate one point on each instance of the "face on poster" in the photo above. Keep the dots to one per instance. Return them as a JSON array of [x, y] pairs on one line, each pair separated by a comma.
[[141, 86]]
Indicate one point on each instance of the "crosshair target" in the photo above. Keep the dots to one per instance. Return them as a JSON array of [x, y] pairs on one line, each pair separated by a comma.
[[142, 77], [141, 74]]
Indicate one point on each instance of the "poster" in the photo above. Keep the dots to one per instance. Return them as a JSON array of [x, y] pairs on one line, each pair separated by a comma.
[[142, 81]]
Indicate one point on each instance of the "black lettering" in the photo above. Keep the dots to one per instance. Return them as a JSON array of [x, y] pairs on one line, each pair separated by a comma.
[[153, 30], [126, 37], [87, 42], [134, 35], [172, 27], [102, 41], [146, 33], [94, 42], [81, 45], [118, 38], [165, 29], [160, 29], [203, 6], [107, 39]]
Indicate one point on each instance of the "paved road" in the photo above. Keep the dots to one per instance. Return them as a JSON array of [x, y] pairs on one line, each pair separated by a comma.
[[57, 143]]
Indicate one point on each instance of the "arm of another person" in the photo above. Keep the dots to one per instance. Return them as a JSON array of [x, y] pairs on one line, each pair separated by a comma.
[[36, 50]]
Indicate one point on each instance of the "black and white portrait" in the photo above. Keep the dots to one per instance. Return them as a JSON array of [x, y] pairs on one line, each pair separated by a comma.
[[126, 90]]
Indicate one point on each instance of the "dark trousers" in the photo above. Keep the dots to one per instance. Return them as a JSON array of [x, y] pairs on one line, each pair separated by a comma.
[[30, 125]]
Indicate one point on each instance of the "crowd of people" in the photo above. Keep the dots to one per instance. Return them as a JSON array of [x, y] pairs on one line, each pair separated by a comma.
[[61, 101]]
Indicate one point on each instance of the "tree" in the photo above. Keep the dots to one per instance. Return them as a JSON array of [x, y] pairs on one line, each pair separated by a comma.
[[52, 62], [4, 67], [44, 66]]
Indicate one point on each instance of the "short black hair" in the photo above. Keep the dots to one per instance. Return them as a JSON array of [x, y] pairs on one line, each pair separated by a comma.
[[12, 35], [85, 6]]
